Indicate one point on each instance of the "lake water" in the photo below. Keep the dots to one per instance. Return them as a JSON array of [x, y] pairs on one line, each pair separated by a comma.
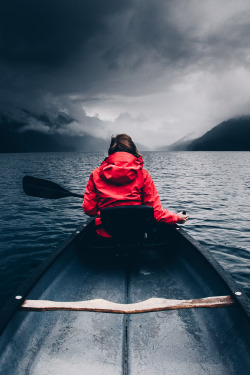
[[213, 187]]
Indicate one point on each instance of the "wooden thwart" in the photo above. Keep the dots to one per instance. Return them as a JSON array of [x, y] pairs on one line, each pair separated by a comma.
[[149, 305]]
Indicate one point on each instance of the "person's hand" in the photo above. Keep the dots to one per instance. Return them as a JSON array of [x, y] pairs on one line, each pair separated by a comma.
[[182, 218]]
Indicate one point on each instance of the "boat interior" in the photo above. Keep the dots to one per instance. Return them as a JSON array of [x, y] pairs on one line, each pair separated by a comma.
[[177, 341]]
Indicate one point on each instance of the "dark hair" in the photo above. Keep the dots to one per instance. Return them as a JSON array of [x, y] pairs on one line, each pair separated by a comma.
[[123, 142]]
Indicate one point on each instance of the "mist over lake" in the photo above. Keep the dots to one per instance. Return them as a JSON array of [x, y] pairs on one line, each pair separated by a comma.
[[213, 187]]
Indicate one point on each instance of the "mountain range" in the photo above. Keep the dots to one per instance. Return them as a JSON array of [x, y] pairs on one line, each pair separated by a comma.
[[230, 135], [42, 134], [45, 136]]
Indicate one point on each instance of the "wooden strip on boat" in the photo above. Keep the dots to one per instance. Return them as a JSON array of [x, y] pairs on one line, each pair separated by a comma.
[[149, 305]]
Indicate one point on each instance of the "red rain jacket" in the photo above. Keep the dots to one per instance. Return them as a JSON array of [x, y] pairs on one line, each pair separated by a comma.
[[121, 180]]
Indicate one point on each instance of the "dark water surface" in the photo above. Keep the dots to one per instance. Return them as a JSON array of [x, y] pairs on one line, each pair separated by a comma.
[[213, 187]]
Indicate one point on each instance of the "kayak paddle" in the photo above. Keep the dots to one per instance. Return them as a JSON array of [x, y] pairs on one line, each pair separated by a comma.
[[38, 187]]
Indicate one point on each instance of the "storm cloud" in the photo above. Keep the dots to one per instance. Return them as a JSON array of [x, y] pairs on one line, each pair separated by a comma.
[[157, 70]]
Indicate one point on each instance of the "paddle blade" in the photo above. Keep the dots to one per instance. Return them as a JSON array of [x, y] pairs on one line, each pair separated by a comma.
[[37, 187]]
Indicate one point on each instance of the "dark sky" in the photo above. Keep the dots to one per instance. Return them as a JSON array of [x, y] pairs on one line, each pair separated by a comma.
[[156, 69]]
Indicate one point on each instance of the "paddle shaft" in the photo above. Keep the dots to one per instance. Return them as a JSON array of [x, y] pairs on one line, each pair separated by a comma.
[[76, 195]]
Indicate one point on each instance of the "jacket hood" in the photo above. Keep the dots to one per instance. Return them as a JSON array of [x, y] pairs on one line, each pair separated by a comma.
[[120, 168]]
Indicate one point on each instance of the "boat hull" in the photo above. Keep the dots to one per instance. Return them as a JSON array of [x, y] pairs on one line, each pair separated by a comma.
[[186, 341]]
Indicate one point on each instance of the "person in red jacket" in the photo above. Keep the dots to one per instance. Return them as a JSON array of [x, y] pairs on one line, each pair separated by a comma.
[[121, 180]]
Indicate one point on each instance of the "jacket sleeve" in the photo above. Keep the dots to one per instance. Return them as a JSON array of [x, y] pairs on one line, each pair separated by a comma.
[[90, 203], [150, 197]]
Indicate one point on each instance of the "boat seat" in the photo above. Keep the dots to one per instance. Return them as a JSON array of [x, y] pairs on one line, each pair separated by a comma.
[[128, 223]]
